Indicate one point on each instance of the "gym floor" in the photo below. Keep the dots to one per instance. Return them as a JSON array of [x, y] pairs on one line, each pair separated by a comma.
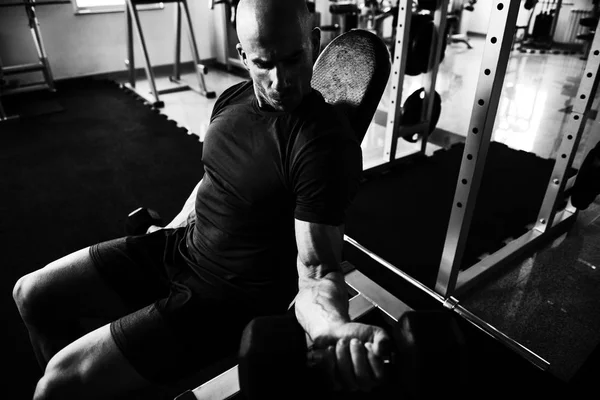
[[549, 300]]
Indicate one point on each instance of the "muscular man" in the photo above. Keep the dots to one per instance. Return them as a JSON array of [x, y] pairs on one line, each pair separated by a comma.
[[280, 169]]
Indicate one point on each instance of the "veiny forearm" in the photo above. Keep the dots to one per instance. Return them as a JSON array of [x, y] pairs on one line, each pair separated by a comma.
[[322, 303]]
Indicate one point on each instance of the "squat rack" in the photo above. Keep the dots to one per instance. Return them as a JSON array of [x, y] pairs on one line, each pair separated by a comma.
[[553, 218]]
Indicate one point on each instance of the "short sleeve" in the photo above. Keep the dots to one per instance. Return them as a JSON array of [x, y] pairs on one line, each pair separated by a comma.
[[326, 175], [226, 96]]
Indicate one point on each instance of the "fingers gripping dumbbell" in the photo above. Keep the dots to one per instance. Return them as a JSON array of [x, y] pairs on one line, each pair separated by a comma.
[[429, 357], [138, 221]]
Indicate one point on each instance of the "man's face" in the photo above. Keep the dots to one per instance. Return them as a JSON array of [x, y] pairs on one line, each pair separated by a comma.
[[280, 62]]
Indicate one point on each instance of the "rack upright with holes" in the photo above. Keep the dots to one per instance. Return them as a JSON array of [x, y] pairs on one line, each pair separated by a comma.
[[553, 218], [450, 280], [394, 128]]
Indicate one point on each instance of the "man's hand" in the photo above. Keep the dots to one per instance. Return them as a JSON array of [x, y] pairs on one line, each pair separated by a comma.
[[353, 356]]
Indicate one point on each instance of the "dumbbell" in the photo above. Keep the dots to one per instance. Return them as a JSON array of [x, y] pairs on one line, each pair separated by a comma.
[[428, 360], [139, 220]]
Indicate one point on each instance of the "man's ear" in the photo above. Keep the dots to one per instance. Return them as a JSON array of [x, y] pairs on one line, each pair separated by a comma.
[[242, 54], [315, 37]]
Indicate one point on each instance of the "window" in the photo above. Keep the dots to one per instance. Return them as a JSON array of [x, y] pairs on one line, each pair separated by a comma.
[[106, 6]]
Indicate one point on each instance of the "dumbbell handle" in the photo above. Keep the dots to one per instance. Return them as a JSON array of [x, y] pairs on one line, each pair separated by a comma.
[[319, 375], [321, 353]]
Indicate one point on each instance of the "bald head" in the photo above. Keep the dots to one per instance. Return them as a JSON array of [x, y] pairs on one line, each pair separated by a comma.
[[278, 47], [265, 19]]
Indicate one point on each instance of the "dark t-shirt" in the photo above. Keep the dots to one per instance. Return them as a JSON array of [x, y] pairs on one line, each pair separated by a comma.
[[262, 171]]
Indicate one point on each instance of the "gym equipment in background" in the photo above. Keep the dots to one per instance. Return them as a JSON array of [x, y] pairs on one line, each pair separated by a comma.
[[422, 52], [552, 217], [43, 65], [346, 14], [543, 24], [370, 15], [414, 107], [133, 21], [232, 58], [419, 48], [429, 5], [423, 36], [275, 359], [230, 35], [231, 5], [453, 21], [591, 23], [539, 32]]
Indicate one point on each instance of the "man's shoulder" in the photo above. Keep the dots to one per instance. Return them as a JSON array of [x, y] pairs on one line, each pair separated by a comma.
[[240, 90], [234, 91], [323, 118]]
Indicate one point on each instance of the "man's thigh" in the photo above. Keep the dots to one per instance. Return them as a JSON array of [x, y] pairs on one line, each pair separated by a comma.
[[180, 335], [106, 281], [72, 288], [156, 347]]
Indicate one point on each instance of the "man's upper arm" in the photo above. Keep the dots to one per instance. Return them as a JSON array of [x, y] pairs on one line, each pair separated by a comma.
[[326, 172], [326, 176]]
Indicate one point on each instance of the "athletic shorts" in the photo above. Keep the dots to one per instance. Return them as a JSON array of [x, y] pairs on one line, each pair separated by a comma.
[[173, 330]]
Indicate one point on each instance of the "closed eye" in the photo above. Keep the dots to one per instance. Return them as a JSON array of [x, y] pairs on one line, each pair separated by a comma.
[[262, 64]]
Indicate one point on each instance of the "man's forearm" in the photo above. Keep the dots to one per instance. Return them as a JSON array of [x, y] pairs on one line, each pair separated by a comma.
[[187, 213], [322, 303]]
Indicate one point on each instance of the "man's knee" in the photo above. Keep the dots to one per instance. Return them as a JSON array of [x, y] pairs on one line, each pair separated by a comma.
[[24, 294], [61, 382], [29, 296]]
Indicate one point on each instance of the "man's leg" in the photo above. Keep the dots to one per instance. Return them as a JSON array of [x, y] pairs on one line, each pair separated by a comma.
[[53, 300], [92, 367]]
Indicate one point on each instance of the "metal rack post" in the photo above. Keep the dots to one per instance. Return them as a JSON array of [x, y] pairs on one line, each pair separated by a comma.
[[553, 219], [132, 21], [576, 121], [394, 112], [199, 68], [496, 55], [440, 17], [394, 127]]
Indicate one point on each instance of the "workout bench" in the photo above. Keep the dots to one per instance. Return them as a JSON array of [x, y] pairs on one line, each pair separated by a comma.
[[133, 21]]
